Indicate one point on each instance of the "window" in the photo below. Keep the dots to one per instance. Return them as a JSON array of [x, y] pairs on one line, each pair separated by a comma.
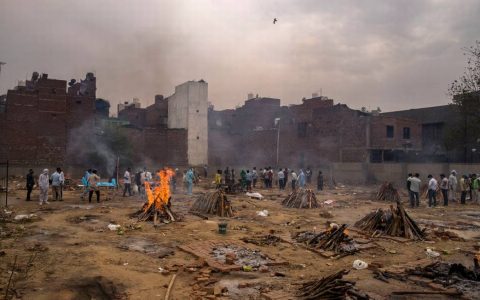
[[389, 131], [406, 133], [302, 129]]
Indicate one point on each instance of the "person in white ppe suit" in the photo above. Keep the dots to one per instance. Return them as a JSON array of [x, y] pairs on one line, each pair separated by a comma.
[[452, 185], [43, 183]]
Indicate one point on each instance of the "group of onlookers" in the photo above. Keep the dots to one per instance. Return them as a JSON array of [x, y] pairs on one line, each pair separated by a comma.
[[267, 176], [447, 186], [56, 181]]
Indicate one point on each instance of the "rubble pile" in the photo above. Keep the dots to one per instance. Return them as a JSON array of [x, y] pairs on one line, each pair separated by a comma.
[[263, 240], [215, 203], [301, 198], [388, 192], [333, 239], [331, 287], [392, 222]]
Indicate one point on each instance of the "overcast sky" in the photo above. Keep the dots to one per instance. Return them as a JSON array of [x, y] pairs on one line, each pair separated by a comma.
[[392, 54]]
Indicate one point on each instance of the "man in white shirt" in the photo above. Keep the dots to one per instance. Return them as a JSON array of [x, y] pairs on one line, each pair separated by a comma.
[[444, 188], [432, 191], [452, 185], [415, 189], [127, 181], [294, 179], [281, 179]]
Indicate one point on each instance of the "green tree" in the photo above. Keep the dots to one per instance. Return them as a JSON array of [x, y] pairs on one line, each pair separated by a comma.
[[465, 93]]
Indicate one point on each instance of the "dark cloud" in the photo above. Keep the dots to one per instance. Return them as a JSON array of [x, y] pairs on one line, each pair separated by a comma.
[[394, 54]]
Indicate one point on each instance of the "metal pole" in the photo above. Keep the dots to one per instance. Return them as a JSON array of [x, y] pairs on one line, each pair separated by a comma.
[[6, 191]]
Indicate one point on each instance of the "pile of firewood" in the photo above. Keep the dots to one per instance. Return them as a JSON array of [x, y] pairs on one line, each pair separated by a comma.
[[214, 203], [333, 239], [388, 193], [163, 213], [393, 222], [301, 198], [331, 287]]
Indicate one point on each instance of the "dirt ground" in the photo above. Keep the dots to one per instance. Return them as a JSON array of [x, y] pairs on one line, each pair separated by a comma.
[[68, 252]]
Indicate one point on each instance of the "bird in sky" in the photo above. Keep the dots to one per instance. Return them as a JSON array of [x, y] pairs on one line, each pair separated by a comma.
[[275, 20]]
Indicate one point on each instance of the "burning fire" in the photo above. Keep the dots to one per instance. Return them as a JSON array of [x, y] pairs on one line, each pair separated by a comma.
[[160, 194]]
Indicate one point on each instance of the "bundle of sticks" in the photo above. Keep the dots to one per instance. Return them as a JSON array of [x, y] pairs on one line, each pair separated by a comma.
[[388, 193], [393, 222], [333, 239], [331, 287], [153, 213], [301, 198], [214, 203]]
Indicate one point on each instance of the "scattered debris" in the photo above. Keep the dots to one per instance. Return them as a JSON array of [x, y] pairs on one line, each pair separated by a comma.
[[301, 198], [113, 227], [262, 213], [29, 217], [146, 246], [392, 222], [214, 203], [432, 254], [263, 240], [255, 195], [359, 264], [330, 287], [388, 193]]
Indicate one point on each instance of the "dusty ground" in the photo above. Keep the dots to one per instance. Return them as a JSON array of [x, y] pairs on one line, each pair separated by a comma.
[[62, 254]]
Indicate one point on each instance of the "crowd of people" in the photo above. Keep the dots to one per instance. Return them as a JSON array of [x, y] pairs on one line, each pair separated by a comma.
[[267, 177], [447, 186]]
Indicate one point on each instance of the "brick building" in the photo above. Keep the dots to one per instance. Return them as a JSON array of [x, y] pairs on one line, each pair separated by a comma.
[[314, 133], [38, 117]]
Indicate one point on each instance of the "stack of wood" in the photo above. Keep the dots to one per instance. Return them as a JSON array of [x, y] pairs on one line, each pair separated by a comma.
[[301, 198], [333, 239], [153, 213], [392, 222], [213, 203], [331, 287], [388, 192]]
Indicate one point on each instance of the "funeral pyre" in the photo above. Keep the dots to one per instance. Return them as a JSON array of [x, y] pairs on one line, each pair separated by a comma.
[[331, 287], [214, 203], [449, 275], [158, 204], [301, 198], [388, 192], [392, 222], [334, 239]]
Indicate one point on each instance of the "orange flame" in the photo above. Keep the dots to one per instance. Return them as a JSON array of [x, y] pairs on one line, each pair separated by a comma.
[[160, 194]]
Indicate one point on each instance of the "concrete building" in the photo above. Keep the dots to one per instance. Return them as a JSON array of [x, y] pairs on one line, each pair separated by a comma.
[[188, 109]]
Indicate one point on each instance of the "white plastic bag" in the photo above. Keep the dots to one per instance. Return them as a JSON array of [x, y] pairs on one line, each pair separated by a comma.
[[262, 213], [359, 264], [113, 227]]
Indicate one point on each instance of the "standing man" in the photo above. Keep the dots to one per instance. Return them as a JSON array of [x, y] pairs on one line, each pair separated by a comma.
[[432, 191], [55, 178], [189, 177], [308, 175], [30, 184], [410, 194], [62, 183], [444, 188], [127, 181], [205, 171], [92, 183], [43, 182], [320, 181], [294, 180], [218, 179], [452, 185], [249, 179], [301, 179], [415, 189], [281, 179], [464, 186], [285, 178], [254, 177], [475, 187]]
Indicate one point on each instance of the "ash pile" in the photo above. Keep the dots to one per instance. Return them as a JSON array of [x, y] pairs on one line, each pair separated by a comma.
[[301, 198], [213, 203], [331, 287], [157, 208], [334, 239], [393, 222], [388, 192]]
